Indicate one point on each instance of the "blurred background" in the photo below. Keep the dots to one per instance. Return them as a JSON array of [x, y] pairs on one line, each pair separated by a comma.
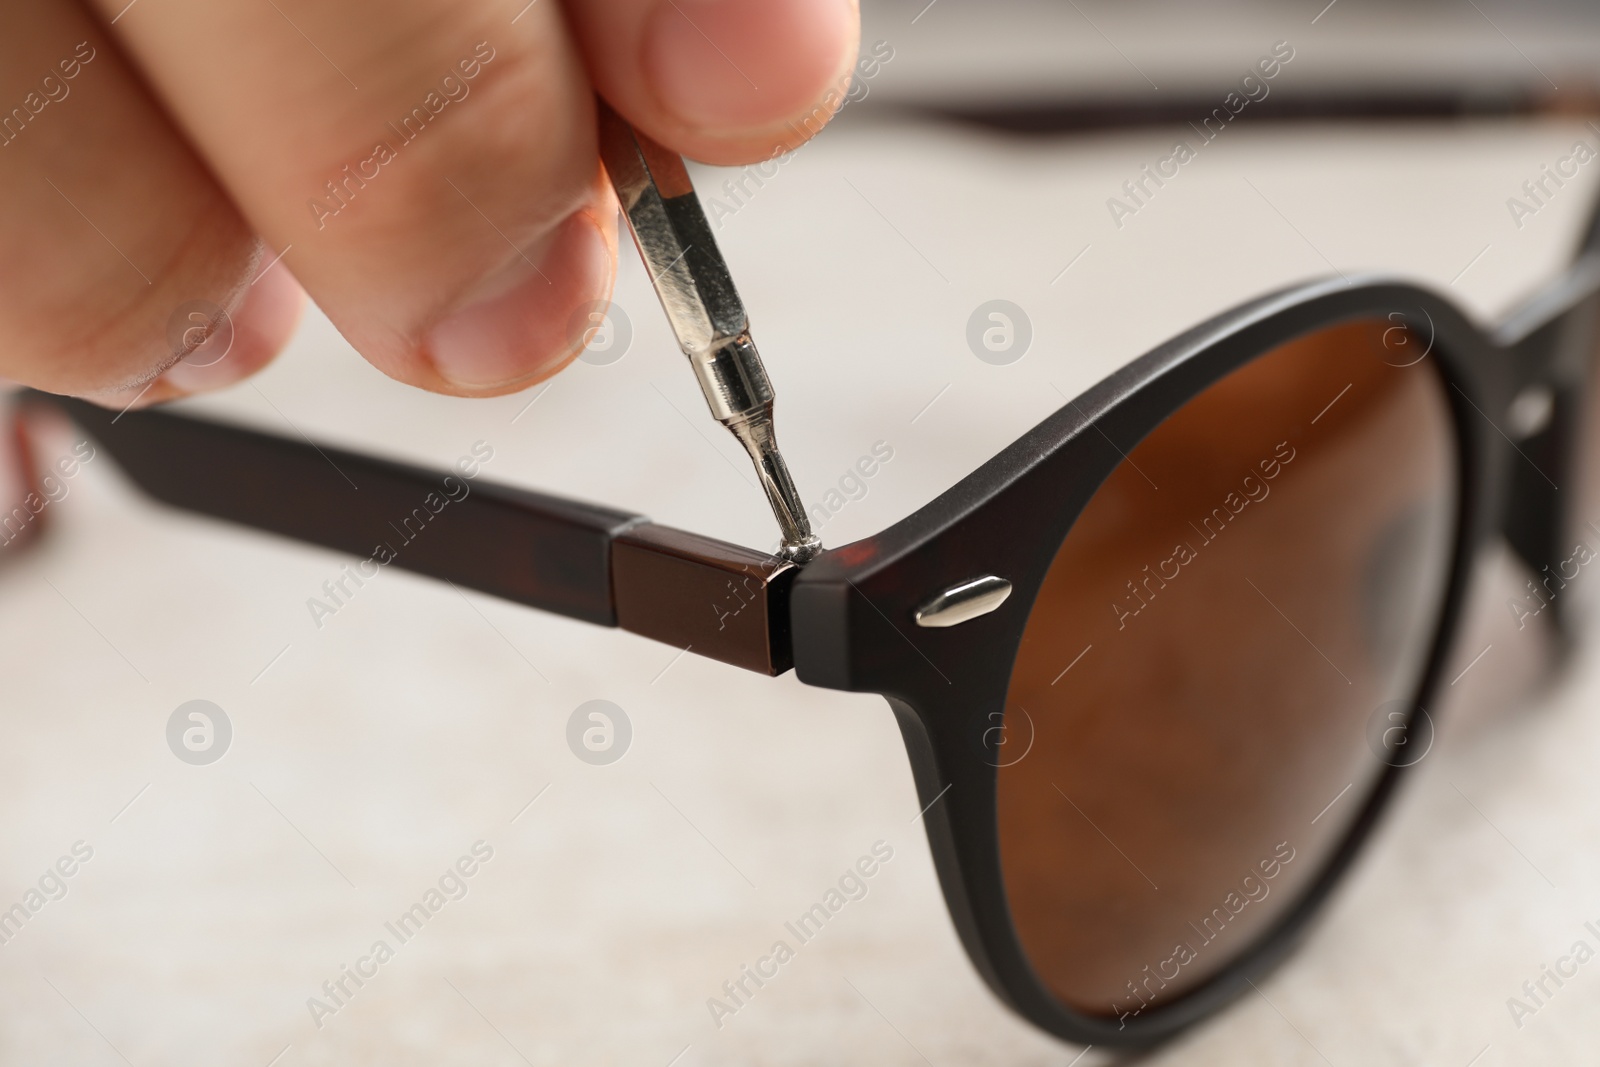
[[370, 750]]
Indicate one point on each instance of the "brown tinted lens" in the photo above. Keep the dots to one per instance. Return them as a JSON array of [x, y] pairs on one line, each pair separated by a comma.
[[1233, 610]]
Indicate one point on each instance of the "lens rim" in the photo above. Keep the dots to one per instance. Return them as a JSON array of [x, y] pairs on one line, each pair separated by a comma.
[[853, 610]]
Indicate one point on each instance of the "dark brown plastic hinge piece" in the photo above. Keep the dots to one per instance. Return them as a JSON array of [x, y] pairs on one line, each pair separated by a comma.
[[714, 598]]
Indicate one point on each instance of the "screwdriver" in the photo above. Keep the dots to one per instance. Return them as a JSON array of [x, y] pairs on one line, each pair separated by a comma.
[[705, 312]]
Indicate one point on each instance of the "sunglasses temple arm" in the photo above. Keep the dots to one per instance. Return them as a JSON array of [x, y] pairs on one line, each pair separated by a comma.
[[597, 564]]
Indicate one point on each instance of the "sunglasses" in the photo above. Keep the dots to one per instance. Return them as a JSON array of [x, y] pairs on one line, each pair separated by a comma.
[[1158, 665]]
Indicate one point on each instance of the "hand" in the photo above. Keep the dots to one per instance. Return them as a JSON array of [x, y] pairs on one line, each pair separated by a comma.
[[426, 169]]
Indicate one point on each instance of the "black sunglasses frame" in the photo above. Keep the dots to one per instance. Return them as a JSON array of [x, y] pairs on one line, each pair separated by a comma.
[[846, 620], [851, 609]]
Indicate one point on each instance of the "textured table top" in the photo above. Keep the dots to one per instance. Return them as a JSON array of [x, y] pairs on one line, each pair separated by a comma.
[[371, 754]]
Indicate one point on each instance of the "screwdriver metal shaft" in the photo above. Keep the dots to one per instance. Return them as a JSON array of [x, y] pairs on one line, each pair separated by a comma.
[[691, 278]]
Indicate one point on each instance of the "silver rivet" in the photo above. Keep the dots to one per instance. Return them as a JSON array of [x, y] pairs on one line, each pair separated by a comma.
[[1530, 412], [965, 601]]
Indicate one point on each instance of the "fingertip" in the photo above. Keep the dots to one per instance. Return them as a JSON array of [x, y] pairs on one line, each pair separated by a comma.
[[217, 346], [248, 336], [744, 79]]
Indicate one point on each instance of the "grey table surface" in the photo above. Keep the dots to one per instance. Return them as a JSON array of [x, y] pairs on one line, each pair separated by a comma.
[[370, 752]]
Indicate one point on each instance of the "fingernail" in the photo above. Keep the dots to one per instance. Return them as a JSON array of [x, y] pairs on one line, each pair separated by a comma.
[[733, 67], [223, 346], [519, 331]]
